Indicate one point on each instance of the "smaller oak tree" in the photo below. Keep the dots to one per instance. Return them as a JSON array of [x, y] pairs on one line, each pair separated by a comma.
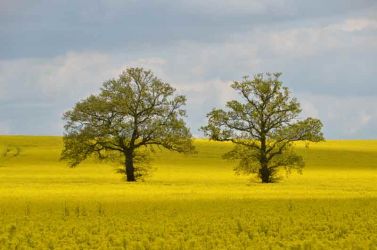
[[130, 114], [263, 127]]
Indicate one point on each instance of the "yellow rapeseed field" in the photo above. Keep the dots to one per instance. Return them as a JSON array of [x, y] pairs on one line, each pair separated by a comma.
[[189, 202]]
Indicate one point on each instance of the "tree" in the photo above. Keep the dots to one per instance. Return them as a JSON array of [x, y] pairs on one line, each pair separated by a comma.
[[131, 113], [263, 127]]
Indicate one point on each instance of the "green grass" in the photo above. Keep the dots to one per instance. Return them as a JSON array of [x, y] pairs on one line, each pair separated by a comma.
[[190, 202]]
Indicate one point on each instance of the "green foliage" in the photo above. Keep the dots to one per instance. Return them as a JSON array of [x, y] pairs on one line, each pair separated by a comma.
[[263, 127], [248, 162], [135, 111]]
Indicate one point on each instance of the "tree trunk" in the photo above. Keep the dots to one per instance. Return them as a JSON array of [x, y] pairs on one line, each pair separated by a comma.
[[264, 171], [265, 174], [129, 165]]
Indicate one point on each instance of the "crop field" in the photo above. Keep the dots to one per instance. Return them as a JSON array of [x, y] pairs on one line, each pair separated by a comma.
[[189, 202]]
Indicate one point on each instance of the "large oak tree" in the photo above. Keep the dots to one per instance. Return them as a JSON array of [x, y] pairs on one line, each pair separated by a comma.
[[135, 111], [263, 127]]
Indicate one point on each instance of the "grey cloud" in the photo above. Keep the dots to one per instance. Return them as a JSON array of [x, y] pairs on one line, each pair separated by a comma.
[[347, 118], [49, 28], [54, 54]]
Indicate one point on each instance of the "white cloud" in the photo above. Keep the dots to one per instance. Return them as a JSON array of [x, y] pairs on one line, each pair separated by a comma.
[[311, 40], [155, 64], [299, 42], [204, 71], [60, 77], [357, 24], [221, 7], [343, 117], [309, 109]]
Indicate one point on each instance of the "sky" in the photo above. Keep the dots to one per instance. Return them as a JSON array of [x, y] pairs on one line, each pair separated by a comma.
[[55, 53]]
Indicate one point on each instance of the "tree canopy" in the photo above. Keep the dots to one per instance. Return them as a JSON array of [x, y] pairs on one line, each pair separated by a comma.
[[131, 113], [263, 127]]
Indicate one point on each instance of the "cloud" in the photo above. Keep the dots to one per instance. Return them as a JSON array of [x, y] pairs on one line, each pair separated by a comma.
[[40, 90], [199, 47], [309, 109], [357, 24], [271, 9], [52, 78], [227, 7], [311, 40], [343, 117], [36, 91]]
